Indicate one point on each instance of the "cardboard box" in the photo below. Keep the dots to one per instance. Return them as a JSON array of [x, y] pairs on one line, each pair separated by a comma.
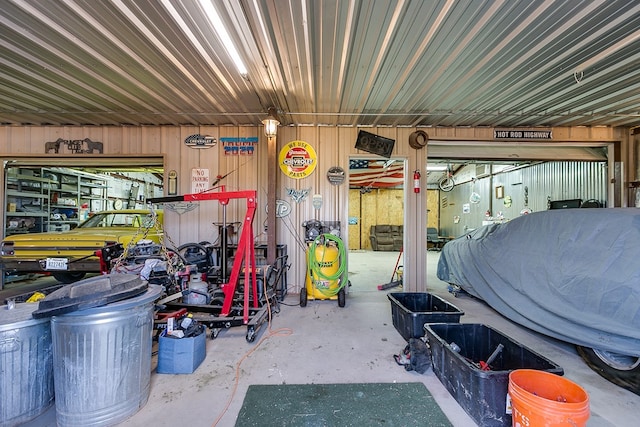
[[11, 207]]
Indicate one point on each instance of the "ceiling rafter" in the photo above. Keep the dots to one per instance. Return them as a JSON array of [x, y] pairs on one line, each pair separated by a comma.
[[448, 63]]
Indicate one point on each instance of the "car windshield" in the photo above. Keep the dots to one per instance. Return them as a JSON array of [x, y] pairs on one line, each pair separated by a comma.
[[120, 219]]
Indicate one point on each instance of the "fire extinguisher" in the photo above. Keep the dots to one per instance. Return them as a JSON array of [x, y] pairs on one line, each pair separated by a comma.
[[416, 181]]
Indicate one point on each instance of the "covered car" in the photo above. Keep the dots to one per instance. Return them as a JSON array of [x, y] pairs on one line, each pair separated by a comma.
[[572, 274], [70, 255]]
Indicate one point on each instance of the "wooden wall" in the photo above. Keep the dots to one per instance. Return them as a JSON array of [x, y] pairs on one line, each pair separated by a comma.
[[356, 238], [380, 206], [433, 208]]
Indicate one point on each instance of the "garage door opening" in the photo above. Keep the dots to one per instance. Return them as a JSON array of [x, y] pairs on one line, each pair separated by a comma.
[[56, 195], [41, 196], [500, 182]]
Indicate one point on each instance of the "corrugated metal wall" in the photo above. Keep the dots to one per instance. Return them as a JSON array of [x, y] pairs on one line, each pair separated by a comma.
[[529, 187], [333, 145]]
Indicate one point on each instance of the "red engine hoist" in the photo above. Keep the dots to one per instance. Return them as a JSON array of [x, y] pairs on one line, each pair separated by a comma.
[[252, 316]]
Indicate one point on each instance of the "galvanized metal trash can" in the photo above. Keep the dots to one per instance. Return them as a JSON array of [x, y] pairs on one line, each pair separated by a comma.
[[26, 365], [102, 361]]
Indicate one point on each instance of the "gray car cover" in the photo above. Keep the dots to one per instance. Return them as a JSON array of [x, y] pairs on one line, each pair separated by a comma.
[[572, 274]]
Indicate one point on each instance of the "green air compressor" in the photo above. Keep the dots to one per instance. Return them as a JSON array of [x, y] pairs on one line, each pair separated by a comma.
[[326, 276]]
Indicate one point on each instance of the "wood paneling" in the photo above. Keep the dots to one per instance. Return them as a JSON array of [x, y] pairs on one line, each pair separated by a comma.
[[355, 230], [433, 208], [382, 206]]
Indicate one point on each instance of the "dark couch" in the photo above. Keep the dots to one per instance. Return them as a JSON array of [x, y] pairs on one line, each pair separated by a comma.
[[386, 237]]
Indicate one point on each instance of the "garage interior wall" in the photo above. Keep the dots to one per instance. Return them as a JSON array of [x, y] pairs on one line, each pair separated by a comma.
[[333, 146], [530, 187]]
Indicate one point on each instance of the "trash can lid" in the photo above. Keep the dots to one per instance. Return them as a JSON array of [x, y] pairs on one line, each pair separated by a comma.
[[92, 292], [152, 293], [18, 317]]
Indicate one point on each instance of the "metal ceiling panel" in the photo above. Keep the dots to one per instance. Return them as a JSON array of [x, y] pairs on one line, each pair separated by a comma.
[[500, 63]]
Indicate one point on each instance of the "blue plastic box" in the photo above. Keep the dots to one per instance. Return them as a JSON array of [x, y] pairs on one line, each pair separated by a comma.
[[180, 355]]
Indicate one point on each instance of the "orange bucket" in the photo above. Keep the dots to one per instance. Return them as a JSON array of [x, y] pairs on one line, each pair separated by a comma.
[[540, 398]]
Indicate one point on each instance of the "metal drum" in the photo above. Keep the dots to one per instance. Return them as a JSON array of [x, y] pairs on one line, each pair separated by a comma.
[[26, 365], [102, 361]]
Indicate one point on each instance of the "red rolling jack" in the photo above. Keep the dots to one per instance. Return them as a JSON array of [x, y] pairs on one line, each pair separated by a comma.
[[251, 314]]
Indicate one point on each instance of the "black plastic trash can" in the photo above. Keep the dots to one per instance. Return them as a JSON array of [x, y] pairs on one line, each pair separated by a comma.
[[411, 310], [457, 349]]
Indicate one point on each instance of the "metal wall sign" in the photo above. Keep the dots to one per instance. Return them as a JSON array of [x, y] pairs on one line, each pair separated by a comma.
[[297, 159], [199, 180], [522, 134], [75, 146], [298, 195], [200, 141], [336, 175], [316, 201], [243, 146], [283, 208], [180, 207], [173, 183]]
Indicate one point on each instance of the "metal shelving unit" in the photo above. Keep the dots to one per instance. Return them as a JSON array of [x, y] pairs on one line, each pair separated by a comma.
[[73, 194], [26, 197], [50, 199]]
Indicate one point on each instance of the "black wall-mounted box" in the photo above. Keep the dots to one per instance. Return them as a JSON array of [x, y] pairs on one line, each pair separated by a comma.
[[375, 144]]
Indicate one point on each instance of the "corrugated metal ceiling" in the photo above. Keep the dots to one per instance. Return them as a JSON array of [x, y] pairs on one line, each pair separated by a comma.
[[500, 63]]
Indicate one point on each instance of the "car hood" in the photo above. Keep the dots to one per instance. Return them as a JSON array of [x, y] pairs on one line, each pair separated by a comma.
[[78, 234]]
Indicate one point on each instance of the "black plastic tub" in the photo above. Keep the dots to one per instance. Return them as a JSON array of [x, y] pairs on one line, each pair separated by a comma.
[[456, 348], [411, 310]]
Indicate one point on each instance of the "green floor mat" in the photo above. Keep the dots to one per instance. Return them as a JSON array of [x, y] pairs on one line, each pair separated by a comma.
[[323, 405]]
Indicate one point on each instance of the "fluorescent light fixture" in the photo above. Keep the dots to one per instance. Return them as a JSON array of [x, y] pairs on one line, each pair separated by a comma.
[[435, 168], [222, 32]]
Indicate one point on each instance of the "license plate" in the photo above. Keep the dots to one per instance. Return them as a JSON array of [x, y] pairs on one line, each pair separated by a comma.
[[56, 264]]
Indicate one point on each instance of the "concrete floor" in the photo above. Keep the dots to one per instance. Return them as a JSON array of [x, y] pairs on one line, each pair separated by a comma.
[[322, 343]]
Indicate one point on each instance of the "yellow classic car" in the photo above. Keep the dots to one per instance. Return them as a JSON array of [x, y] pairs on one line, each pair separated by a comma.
[[70, 255]]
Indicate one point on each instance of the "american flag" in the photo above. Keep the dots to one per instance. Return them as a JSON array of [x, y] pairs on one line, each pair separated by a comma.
[[372, 173]]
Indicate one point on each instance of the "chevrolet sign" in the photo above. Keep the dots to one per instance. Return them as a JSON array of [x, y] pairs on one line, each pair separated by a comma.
[[200, 141]]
